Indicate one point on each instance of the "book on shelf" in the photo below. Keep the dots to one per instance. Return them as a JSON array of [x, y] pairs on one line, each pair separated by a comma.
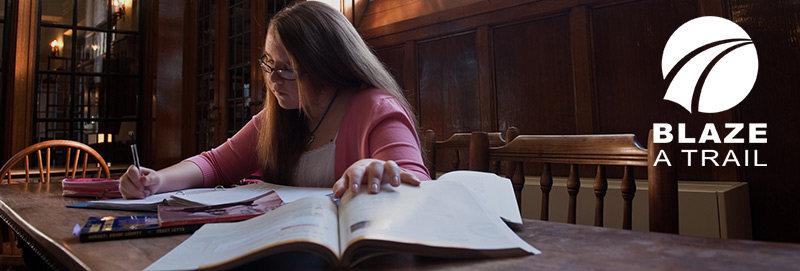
[[126, 227], [241, 210], [441, 218]]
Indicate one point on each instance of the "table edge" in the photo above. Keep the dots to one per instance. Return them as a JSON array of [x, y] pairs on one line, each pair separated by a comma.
[[44, 246]]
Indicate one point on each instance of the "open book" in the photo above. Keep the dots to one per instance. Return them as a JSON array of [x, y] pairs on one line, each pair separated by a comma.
[[438, 218]]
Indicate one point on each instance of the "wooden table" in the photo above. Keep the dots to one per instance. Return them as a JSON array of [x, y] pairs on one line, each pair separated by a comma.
[[36, 212]]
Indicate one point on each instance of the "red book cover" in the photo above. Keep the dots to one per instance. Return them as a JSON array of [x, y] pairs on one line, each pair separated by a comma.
[[179, 215]]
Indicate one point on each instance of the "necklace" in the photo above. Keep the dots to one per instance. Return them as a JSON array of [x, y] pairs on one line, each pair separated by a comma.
[[323, 117]]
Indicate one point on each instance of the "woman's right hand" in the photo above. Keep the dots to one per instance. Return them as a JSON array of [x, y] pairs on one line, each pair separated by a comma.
[[136, 185]]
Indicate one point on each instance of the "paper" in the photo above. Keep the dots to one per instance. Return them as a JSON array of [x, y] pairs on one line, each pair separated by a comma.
[[493, 190], [225, 195], [292, 193], [153, 199], [210, 196], [439, 214]]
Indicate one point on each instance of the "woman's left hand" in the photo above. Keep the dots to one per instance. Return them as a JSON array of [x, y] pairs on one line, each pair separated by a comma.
[[374, 173]]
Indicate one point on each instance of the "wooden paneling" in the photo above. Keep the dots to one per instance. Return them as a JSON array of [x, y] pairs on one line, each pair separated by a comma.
[[395, 59], [448, 80], [774, 100], [533, 71], [19, 86], [593, 66], [189, 72], [628, 41], [583, 73], [385, 12], [163, 114]]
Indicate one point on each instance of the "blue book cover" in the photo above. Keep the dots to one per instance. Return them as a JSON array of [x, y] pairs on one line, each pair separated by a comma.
[[125, 227]]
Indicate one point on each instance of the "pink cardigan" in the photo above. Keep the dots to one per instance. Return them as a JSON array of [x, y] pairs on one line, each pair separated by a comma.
[[375, 125]]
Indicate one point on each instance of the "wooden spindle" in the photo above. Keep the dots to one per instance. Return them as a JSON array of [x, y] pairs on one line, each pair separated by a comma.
[[48, 165], [41, 166], [546, 184], [628, 188], [517, 177], [600, 188], [66, 164], [75, 163], [496, 167], [27, 171], [456, 162], [85, 161], [573, 185]]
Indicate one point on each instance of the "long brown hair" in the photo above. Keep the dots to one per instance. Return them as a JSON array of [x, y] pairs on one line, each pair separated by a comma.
[[325, 50]]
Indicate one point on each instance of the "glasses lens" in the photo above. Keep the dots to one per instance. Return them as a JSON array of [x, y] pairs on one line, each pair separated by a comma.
[[286, 74]]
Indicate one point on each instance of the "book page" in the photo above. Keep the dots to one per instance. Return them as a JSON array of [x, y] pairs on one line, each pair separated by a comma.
[[292, 193], [437, 213], [311, 219], [225, 195], [496, 192], [148, 201]]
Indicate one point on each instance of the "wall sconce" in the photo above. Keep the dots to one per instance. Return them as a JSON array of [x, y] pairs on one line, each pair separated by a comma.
[[94, 47], [55, 47], [119, 9]]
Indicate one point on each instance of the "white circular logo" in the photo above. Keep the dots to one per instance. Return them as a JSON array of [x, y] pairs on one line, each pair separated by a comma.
[[711, 64]]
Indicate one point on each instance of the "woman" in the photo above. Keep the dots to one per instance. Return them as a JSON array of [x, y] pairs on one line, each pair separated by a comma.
[[333, 117]]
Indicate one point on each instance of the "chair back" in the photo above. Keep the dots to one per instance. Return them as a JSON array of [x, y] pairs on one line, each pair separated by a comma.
[[44, 162], [457, 148], [593, 150]]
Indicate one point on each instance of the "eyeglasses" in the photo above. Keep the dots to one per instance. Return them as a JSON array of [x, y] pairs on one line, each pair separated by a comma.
[[284, 74]]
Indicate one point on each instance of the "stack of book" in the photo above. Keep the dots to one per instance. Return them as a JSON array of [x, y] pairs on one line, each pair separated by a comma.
[[175, 219], [185, 211]]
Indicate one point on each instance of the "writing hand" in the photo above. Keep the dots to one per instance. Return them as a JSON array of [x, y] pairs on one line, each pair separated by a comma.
[[374, 173], [139, 183]]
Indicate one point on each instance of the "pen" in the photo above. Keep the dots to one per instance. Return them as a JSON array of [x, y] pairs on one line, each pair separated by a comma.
[[134, 151]]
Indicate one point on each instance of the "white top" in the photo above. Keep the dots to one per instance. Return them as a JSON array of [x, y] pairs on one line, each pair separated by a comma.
[[316, 167]]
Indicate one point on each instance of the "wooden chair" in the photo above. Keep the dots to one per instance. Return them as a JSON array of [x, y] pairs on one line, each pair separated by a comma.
[[10, 255], [458, 146], [598, 150], [45, 168]]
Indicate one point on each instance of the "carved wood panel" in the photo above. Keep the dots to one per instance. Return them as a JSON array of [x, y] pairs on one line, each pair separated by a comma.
[[448, 86], [533, 76]]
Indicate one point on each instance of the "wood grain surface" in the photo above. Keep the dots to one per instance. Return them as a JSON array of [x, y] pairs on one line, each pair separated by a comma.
[[37, 211]]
